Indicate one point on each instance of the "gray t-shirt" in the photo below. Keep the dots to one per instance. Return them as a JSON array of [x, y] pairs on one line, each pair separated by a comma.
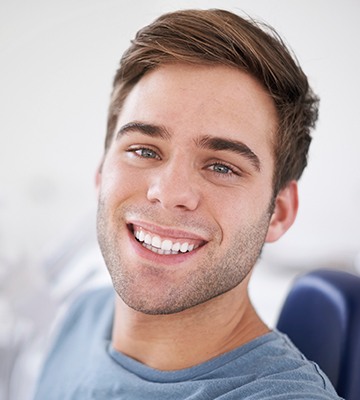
[[84, 365]]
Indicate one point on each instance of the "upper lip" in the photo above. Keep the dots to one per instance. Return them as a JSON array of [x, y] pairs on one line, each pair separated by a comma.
[[167, 232]]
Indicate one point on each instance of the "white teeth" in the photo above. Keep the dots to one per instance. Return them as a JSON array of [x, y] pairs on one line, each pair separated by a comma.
[[156, 242], [184, 247], [176, 247], [166, 246], [141, 236], [147, 239]]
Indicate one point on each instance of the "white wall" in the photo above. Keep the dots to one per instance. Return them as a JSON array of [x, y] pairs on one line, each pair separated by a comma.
[[57, 63]]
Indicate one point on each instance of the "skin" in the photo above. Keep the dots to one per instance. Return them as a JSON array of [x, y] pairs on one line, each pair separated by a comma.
[[191, 160]]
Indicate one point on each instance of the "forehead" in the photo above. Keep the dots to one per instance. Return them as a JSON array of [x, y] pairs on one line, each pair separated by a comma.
[[203, 100]]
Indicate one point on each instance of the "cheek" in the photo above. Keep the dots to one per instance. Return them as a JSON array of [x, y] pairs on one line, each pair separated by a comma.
[[119, 182], [237, 211]]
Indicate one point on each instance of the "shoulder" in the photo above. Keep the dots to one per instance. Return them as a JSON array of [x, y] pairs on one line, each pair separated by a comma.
[[81, 339], [280, 369], [90, 313], [89, 316], [90, 303]]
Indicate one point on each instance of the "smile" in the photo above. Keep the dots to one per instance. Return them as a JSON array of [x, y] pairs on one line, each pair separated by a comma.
[[164, 246]]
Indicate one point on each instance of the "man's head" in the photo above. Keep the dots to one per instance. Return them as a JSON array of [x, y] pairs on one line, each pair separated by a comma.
[[208, 37], [202, 153]]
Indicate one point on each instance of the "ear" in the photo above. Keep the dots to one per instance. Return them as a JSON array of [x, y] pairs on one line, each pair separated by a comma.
[[285, 210]]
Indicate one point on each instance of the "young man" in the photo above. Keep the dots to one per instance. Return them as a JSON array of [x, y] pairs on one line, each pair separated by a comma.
[[208, 132]]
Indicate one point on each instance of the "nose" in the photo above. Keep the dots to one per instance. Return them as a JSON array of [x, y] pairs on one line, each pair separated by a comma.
[[174, 187]]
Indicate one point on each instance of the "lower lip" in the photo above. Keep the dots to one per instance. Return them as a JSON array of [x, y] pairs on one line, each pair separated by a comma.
[[168, 259]]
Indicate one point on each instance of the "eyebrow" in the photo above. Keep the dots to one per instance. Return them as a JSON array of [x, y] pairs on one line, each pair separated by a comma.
[[158, 131], [220, 144], [204, 142]]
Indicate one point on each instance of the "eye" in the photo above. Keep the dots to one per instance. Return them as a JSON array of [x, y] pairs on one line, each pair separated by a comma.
[[144, 152], [223, 169]]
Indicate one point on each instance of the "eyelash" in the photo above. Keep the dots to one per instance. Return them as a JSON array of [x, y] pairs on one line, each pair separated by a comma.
[[134, 151], [231, 170]]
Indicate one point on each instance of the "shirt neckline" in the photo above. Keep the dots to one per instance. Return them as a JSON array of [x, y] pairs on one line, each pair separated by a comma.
[[154, 375]]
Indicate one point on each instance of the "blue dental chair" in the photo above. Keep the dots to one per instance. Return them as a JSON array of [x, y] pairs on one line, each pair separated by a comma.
[[321, 315]]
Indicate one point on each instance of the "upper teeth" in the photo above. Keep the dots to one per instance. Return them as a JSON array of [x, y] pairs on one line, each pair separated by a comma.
[[162, 246]]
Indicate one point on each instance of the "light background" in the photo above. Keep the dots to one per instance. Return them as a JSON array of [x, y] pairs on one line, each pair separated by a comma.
[[57, 63]]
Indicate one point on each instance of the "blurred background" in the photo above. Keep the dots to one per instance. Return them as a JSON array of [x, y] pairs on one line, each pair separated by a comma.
[[58, 59]]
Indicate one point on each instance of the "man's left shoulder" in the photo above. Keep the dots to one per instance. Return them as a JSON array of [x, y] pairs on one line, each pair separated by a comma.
[[282, 370]]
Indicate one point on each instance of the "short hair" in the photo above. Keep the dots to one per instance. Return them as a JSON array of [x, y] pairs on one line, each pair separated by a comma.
[[209, 37]]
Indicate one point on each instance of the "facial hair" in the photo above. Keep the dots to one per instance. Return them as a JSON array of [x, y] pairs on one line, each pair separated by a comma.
[[155, 290]]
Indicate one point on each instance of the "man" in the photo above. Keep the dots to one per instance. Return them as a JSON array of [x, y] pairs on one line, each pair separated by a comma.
[[208, 132]]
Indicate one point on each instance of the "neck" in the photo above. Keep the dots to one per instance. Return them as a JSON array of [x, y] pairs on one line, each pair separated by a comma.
[[193, 336]]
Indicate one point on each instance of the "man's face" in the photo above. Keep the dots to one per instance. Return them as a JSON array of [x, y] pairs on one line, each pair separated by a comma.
[[186, 186]]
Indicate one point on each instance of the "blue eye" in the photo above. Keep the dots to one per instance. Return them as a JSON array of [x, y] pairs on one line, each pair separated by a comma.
[[221, 169], [146, 153]]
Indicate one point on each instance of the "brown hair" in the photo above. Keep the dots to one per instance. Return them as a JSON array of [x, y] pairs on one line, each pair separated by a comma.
[[221, 37]]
